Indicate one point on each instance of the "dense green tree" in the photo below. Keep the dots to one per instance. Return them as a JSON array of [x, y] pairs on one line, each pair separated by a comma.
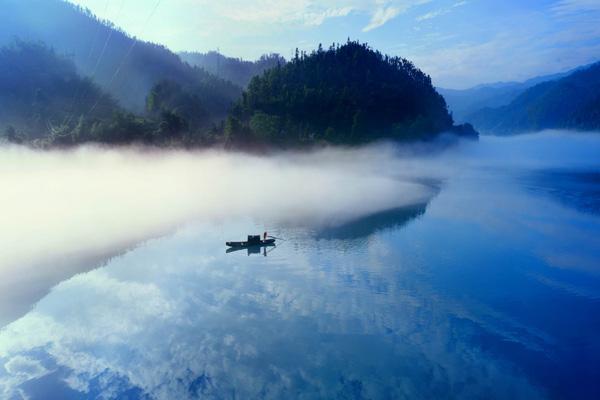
[[266, 126], [347, 94], [234, 130], [171, 126], [169, 97]]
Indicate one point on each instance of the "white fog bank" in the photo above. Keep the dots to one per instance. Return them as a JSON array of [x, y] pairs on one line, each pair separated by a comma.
[[59, 204]]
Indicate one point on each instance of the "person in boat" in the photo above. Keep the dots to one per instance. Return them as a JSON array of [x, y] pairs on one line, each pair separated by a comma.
[[265, 236]]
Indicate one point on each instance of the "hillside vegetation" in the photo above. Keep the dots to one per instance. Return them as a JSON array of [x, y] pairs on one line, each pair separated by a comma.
[[347, 94], [39, 92], [43, 101]]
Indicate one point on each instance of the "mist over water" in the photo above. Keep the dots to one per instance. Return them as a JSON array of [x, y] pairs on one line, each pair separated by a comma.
[[408, 271], [59, 203]]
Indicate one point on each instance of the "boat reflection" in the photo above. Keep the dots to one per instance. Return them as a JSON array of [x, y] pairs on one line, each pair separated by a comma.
[[256, 249]]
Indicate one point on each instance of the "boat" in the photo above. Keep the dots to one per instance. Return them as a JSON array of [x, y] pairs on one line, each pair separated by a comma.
[[268, 242], [253, 240]]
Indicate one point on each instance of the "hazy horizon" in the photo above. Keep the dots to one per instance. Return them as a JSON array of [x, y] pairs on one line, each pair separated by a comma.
[[459, 43]]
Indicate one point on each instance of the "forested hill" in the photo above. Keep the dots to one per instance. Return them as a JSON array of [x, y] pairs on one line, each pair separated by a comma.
[[234, 70], [347, 94], [123, 66], [572, 102], [40, 92], [45, 103]]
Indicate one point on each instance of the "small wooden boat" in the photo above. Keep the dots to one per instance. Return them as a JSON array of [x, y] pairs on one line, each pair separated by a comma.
[[253, 240], [267, 242]]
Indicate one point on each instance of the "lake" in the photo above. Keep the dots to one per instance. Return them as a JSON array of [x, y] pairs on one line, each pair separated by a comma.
[[484, 286]]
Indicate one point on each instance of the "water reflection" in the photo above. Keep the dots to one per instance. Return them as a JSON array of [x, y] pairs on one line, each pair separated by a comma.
[[24, 285], [260, 249], [490, 290], [366, 226], [187, 326], [579, 189]]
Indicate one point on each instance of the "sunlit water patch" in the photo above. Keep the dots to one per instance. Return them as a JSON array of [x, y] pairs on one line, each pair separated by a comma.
[[488, 288]]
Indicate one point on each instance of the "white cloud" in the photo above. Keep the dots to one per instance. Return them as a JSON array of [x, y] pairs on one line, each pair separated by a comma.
[[19, 369], [546, 51], [312, 12], [431, 14], [304, 12], [567, 7], [386, 10], [441, 11], [380, 17], [249, 28], [25, 367], [319, 18]]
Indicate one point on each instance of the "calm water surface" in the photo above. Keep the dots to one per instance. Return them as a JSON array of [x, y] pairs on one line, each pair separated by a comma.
[[489, 291]]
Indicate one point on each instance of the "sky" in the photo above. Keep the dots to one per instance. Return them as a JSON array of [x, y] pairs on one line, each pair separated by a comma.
[[460, 43]]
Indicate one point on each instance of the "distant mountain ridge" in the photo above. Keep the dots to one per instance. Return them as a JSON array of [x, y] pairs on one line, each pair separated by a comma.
[[464, 102], [232, 69], [125, 67], [571, 102]]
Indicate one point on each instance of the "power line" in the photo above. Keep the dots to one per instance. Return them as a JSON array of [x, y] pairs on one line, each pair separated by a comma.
[[128, 53], [101, 56], [110, 33], [80, 90]]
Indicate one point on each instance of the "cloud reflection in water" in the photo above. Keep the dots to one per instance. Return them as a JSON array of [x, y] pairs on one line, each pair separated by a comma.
[[176, 319]]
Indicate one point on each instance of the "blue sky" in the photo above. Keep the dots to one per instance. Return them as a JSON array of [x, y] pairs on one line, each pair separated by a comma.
[[460, 43]]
